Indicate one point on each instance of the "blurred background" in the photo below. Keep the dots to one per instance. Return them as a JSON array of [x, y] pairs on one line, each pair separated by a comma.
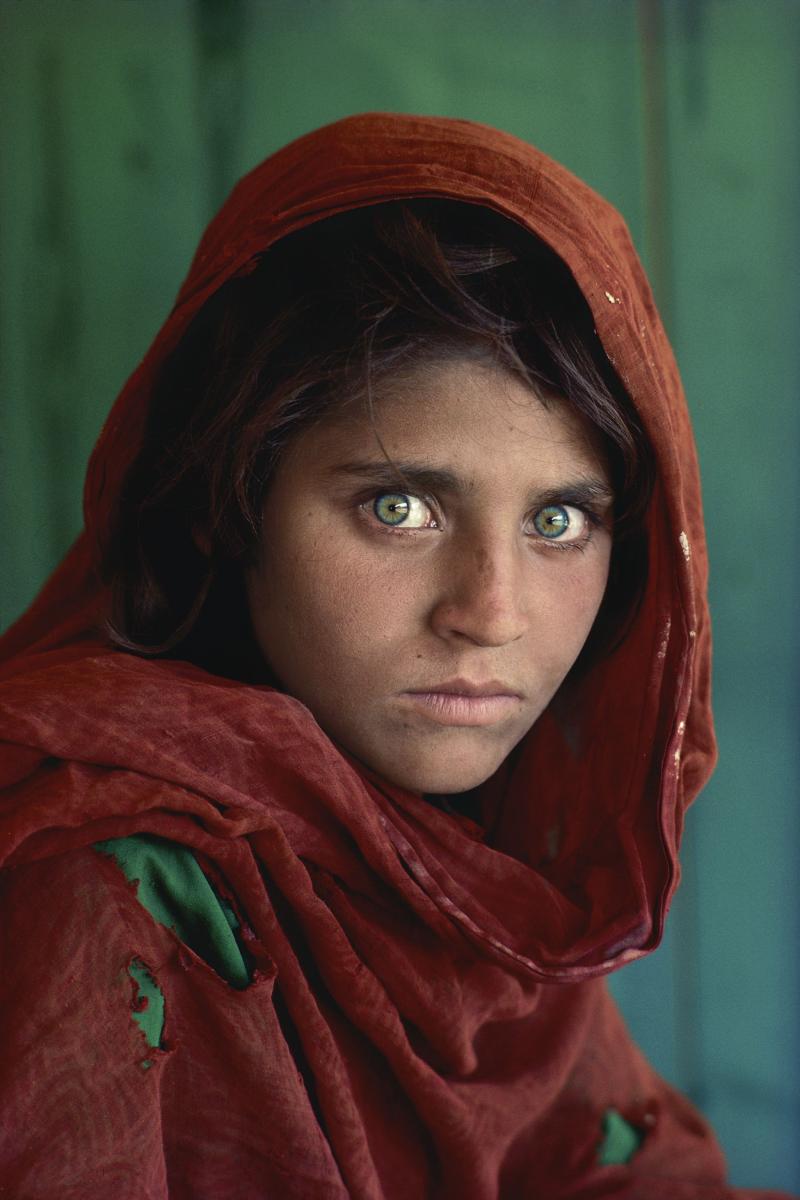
[[124, 124]]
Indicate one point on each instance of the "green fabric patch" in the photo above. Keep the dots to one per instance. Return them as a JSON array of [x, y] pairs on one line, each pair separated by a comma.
[[176, 893], [620, 1140], [148, 1011]]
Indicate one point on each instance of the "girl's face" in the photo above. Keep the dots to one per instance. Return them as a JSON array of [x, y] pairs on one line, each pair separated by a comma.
[[427, 620]]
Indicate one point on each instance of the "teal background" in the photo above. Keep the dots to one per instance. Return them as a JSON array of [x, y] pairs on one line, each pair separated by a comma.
[[125, 122]]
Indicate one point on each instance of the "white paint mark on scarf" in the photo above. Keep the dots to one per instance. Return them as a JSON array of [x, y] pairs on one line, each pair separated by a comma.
[[662, 649]]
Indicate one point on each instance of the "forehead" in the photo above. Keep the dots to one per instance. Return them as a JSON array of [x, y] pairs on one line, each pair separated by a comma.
[[472, 416]]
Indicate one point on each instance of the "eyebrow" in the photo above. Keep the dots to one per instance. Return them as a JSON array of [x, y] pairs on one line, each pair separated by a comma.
[[582, 489]]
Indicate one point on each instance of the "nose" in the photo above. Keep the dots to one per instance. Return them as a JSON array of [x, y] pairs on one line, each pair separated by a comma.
[[481, 596]]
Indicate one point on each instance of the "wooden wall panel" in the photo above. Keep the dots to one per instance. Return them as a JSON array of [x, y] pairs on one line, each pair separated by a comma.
[[103, 198], [735, 184]]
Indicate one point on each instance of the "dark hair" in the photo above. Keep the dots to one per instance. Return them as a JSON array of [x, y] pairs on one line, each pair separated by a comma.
[[327, 314]]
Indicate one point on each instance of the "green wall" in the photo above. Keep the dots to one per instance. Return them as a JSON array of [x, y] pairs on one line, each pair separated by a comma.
[[124, 124]]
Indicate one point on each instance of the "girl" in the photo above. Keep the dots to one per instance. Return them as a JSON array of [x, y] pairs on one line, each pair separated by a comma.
[[348, 749]]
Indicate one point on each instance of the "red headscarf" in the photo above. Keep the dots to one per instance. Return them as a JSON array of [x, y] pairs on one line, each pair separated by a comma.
[[427, 1017]]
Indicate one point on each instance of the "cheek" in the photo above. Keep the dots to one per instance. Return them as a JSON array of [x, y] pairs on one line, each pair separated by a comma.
[[341, 598], [319, 610], [571, 602], [584, 599]]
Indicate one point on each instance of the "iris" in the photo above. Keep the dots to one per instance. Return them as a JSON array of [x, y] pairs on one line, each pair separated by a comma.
[[392, 508], [551, 521]]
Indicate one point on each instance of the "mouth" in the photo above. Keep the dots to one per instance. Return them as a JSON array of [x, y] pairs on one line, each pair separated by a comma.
[[460, 702]]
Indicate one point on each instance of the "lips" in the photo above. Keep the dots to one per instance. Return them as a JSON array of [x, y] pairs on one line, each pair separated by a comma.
[[462, 702], [465, 687]]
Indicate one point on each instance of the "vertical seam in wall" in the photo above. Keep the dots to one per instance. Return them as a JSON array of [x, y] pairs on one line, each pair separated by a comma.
[[220, 30], [658, 246], [655, 122]]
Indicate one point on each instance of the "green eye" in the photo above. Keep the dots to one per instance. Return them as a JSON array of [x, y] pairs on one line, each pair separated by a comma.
[[392, 508], [398, 508], [552, 521]]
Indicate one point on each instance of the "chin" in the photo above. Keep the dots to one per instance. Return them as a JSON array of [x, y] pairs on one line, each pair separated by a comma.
[[441, 778]]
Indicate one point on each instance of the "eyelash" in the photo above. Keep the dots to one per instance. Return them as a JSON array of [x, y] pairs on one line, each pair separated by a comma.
[[594, 520]]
